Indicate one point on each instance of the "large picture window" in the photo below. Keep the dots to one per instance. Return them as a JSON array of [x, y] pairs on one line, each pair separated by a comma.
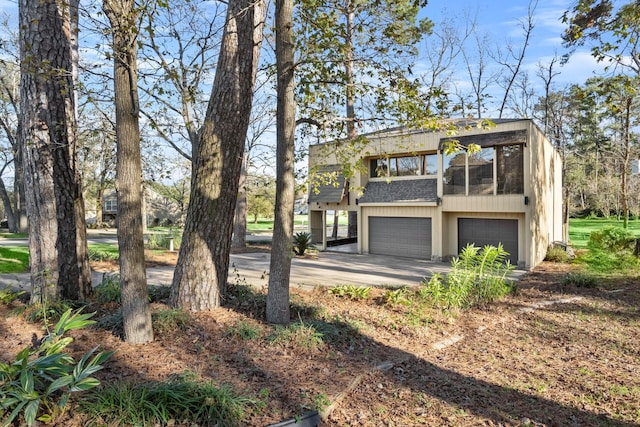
[[510, 164], [493, 170], [481, 172], [453, 173]]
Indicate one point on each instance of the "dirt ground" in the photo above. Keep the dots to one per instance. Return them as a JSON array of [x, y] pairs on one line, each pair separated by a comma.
[[551, 355]]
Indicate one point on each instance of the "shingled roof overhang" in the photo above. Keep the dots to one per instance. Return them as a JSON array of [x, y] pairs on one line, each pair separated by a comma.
[[405, 190]]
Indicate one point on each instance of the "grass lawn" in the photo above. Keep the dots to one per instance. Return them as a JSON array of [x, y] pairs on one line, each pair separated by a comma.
[[13, 235], [14, 259], [265, 225], [580, 229]]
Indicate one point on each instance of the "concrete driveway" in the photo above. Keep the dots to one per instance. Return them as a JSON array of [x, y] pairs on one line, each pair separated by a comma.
[[323, 269]]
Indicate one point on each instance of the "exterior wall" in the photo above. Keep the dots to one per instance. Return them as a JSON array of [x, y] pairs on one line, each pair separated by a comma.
[[538, 210], [545, 219]]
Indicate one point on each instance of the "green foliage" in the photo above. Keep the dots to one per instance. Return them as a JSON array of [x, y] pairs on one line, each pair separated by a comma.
[[580, 280], [397, 296], [297, 335], [180, 401], [351, 292], [48, 311], [477, 276], [103, 252], [38, 383], [611, 250], [14, 259], [163, 240], [557, 254], [244, 330], [9, 295], [170, 320], [580, 229], [302, 242], [109, 288]]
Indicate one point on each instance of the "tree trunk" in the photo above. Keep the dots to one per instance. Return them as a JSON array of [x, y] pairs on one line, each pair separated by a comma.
[[240, 223], [281, 246], [201, 273], [133, 280], [19, 201], [99, 207], [57, 234], [12, 225]]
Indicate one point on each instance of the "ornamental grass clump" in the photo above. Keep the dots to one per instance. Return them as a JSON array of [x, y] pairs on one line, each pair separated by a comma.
[[478, 276]]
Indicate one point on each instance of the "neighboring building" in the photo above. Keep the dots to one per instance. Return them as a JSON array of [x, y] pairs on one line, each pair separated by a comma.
[[412, 200], [158, 209]]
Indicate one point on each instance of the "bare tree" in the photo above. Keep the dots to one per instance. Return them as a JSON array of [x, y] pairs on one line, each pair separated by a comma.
[[513, 58]]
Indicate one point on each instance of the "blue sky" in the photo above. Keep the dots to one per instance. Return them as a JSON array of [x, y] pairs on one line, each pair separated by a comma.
[[501, 20]]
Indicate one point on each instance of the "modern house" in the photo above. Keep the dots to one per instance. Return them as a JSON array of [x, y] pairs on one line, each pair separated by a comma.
[[405, 196]]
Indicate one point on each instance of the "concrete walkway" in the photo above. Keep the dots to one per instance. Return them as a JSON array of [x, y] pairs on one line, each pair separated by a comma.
[[321, 269]]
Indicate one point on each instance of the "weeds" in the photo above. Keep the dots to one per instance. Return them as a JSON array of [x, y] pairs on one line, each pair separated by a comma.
[[170, 320], [297, 335], [580, 280], [38, 384], [351, 292], [9, 295], [244, 330]]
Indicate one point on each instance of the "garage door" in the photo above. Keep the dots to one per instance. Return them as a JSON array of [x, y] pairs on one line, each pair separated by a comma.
[[407, 237], [483, 232]]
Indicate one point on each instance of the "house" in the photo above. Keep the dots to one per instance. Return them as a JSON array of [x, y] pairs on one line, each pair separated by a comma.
[[157, 209], [404, 196]]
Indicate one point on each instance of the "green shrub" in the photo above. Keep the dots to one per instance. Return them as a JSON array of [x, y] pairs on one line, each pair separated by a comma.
[[477, 276], [302, 242], [612, 239], [181, 401], [162, 240], [351, 291], [557, 254], [611, 250], [109, 289], [48, 312], [39, 382], [580, 280]]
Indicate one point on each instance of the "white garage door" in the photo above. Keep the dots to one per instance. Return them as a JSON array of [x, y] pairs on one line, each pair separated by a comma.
[[481, 232], [407, 237]]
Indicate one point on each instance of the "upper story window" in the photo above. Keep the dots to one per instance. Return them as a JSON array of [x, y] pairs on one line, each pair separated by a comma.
[[111, 205], [493, 170], [411, 165]]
